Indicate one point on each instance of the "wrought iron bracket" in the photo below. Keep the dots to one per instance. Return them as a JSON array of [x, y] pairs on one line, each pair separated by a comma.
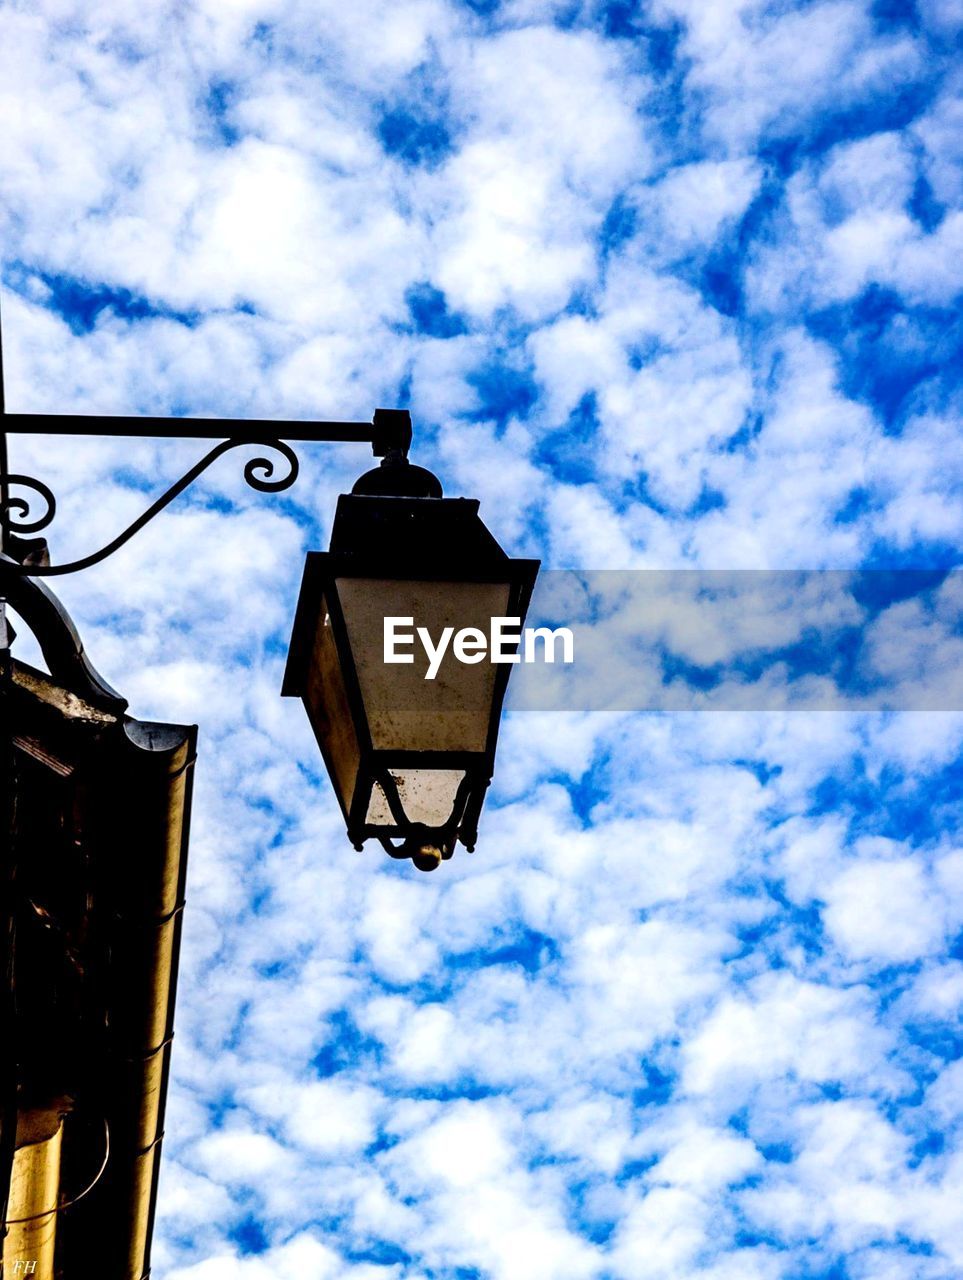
[[389, 434]]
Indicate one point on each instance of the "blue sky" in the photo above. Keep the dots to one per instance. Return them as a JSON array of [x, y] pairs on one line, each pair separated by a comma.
[[667, 285]]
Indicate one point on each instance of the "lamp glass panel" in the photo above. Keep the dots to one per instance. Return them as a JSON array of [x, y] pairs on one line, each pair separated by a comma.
[[427, 795], [405, 710], [329, 710]]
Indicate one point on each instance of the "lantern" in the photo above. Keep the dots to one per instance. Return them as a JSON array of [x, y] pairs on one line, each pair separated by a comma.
[[409, 757]]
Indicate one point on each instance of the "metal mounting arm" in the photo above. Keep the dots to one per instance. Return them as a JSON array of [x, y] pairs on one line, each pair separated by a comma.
[[389, 429], [389, 434]]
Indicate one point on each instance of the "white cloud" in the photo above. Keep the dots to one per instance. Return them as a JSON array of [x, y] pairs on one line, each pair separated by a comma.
[[303, 1255], [392, 926], [661, 411], [240, 1156], [480, 1207], [945, 15], [553, 135], [856, 1157], [706, 1160], [852, 227], [322, 1116], [692, 203], [760, 69], [884, 911], [939, 132], [782, 1024]]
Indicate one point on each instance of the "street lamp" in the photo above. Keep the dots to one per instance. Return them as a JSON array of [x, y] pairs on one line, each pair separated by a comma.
[[410, 758]]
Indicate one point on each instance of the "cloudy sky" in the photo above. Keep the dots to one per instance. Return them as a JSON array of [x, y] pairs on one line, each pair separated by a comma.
[[666, 285]]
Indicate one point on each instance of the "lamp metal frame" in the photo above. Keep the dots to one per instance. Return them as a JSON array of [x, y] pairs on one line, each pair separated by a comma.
[[318, 591]]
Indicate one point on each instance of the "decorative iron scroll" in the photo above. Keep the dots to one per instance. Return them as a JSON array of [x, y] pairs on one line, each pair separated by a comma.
[[14, 503], [17, 518]]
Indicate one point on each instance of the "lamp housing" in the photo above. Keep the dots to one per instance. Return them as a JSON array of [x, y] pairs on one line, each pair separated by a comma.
[[410, 758]]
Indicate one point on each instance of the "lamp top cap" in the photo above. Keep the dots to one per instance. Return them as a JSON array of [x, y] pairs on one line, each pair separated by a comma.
[[396, 477]]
